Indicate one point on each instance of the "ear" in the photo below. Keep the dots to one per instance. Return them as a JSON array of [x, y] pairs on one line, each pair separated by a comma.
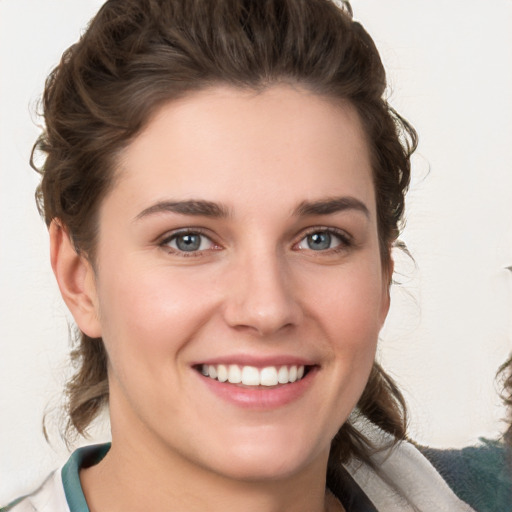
[[76, 280]]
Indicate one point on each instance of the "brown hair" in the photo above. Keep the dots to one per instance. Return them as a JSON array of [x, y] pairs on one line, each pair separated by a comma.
[[138, 54], [505, 374]]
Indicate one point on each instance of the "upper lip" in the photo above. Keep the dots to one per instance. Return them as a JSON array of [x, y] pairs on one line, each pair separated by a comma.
[[257, 361]]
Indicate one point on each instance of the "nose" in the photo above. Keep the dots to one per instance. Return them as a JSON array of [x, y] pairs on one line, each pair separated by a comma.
[[261, 296]]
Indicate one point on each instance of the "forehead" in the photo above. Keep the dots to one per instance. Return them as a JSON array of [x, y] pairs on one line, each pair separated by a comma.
[[286, 143]]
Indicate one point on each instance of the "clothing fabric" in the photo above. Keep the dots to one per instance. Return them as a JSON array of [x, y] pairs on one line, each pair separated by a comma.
[[486, 467], [403, 480], [62, 491]]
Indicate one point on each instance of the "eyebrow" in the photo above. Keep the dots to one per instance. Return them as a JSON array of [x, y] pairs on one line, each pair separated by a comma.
[[192, 207], [202, 208], [330, 206]]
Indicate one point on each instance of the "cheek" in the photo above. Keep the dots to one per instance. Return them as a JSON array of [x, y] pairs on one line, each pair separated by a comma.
[[351, 305], [349, 311], [148, 314], [346, 307]]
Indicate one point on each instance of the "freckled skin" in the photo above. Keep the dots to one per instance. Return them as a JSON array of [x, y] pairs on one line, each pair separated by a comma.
[[255, 287]]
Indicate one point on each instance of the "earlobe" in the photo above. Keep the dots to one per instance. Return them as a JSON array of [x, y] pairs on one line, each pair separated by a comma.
[[75, 277]]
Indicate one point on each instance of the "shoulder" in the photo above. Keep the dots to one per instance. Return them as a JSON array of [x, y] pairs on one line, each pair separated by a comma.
[[480, 475], [19, 505], [62, 490], [49, 497], [399, 477]]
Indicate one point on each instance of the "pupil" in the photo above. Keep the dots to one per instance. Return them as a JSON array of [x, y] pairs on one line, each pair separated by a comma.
[[188, 242], [319, 241]]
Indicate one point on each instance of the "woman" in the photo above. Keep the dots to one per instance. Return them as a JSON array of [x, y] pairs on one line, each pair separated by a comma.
[[223, 184]]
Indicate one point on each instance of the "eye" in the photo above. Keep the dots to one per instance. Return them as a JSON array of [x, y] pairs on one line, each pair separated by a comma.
[[323, 240], [188, 241]]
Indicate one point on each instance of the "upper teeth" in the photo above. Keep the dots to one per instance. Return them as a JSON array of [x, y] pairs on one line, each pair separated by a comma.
[[252, 376]]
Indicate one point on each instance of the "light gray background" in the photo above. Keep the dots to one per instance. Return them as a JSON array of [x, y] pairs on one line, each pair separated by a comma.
[[450, 326]]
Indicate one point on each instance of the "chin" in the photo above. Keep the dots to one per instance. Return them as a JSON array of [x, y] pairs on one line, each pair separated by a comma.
[[270, 468], [270, 458]]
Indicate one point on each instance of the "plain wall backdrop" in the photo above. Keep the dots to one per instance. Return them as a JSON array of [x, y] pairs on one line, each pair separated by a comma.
[[450, 325]]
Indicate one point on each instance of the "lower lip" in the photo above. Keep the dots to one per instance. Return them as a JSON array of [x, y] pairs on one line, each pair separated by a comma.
[[261, 397]]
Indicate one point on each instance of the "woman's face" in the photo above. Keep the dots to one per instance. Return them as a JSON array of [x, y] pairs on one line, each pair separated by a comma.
[[240, 242]]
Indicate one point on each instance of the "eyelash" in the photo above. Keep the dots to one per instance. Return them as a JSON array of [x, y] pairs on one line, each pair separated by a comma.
[[345, 241], [183, 232]]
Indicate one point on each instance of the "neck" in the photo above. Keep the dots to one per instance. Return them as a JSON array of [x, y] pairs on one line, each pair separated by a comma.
[[128, 480]]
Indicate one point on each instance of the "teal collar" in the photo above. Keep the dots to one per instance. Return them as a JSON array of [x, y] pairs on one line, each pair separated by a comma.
[[81, 458]]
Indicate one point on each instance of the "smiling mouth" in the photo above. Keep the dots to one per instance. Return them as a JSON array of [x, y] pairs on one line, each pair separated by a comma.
[[268, 376]]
